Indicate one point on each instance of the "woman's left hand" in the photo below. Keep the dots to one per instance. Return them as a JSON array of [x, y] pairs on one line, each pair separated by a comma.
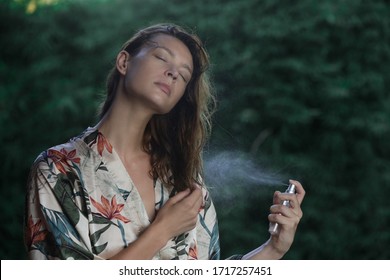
[[288, 218]]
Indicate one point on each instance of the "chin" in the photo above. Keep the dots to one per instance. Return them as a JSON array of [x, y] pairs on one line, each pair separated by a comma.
[[162, 110]]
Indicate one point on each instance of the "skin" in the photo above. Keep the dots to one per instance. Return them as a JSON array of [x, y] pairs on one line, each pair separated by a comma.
[[152, 82], [288, 219]]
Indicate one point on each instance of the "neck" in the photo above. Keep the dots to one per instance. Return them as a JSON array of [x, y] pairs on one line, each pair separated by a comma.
[[124, 126]]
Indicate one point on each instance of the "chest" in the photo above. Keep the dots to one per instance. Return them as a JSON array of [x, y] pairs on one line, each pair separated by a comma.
[[139, 172]]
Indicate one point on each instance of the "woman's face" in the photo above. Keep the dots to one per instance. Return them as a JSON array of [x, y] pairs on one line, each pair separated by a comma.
[[157, 76]]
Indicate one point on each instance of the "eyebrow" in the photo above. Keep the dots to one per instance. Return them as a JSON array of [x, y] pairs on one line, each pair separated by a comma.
[[185, 65]]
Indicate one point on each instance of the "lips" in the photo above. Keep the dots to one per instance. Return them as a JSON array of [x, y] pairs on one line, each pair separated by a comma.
[[164, 87]]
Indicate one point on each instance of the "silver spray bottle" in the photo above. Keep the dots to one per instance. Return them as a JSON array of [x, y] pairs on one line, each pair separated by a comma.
[[274, 227]]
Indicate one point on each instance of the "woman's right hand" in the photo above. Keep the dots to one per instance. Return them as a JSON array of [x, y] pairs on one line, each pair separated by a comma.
[[180, 213]]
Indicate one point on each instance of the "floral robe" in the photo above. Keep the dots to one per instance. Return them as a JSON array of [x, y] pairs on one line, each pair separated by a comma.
[[82, 204]]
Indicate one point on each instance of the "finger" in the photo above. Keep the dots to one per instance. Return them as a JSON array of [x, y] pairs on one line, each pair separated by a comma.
[[284, 220], [179, 196], [200, 203], [294, 204], [276, 199], [286, 196], [300, 191], [279, 219], [195, 198], [285, 211]]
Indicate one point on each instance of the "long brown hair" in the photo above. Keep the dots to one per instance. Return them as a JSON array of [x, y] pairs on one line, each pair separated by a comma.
[[175, 140]]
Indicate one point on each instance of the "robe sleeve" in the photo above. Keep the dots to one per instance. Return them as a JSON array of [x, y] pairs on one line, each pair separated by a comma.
[[212, 224], [55, 221], [214, 247]]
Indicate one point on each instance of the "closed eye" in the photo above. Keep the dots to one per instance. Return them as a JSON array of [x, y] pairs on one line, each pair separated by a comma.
[[184, 78], [160, 58]]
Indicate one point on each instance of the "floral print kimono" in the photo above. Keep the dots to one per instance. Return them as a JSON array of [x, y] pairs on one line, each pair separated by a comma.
[[82, 204]]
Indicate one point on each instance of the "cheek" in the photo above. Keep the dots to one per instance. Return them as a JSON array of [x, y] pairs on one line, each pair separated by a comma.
[[182, 87], [135, 78], [181, 91]]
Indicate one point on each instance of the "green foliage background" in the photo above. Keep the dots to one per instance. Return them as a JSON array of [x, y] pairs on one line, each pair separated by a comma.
[[303, 87]]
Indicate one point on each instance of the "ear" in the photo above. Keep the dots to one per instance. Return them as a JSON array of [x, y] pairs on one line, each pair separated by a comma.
[[122, 60]]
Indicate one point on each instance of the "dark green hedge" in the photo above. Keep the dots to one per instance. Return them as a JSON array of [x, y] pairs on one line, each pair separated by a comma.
[[303, 90]]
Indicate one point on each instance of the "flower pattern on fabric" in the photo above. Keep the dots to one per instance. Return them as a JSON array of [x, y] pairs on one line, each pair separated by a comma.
[[193, 253], [82, 204], [109, 211], [62, 158], [100, 141], [34, 232]]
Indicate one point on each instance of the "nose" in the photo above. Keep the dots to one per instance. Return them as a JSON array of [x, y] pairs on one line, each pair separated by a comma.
[[172, 73]]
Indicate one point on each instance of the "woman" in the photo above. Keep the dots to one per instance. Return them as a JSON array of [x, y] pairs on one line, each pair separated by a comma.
[[131, 187]]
